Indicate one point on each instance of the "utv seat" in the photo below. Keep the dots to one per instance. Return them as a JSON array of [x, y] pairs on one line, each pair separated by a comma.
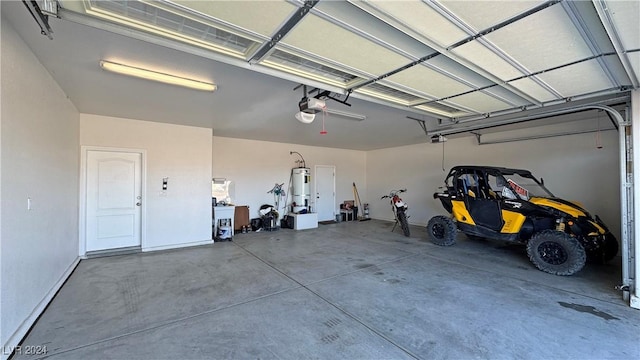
[[464, 188], [485, 191]]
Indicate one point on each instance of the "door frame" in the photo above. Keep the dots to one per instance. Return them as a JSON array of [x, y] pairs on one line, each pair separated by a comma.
[[315, 184], [82, 218]]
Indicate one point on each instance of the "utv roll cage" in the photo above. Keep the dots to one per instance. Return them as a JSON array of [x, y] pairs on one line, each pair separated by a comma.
[[456, 183]]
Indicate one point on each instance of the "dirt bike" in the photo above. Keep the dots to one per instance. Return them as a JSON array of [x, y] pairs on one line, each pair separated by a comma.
[[399, 208]]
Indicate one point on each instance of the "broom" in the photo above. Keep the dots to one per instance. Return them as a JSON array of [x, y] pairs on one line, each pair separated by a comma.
[[359, 203]]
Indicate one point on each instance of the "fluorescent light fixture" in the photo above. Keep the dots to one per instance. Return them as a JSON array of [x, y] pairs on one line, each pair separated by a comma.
[[345, 114], [157, 76]]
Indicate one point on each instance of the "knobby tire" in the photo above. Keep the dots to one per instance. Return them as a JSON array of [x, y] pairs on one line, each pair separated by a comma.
[[402, 220]]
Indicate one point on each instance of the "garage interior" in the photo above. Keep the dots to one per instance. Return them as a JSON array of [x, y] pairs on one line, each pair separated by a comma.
[[411, 89]]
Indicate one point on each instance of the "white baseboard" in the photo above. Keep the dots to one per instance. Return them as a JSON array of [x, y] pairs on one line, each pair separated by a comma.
[[177, 246], [22, 330]]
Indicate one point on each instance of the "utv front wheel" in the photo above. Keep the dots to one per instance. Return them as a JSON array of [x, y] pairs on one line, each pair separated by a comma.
[[607, 250], [610, 247], [556, 252], [442, 230]]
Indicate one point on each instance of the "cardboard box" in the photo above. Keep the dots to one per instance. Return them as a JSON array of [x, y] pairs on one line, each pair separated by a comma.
[[241, 217]]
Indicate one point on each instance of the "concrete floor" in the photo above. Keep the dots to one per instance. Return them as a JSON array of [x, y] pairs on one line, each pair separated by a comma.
[[351, 290]]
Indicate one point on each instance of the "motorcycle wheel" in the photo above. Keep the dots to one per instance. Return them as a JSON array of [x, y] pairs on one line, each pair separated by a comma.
[[402, 219]]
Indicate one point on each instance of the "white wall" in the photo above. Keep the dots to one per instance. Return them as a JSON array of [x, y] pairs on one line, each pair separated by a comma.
[[39, 149], [181, 153], [572, 168], [256, 166]]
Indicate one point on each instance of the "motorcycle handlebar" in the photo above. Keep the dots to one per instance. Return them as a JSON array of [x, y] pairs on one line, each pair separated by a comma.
[[393, 192]]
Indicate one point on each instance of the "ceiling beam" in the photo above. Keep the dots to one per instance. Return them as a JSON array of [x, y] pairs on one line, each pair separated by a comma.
[[533, 137]]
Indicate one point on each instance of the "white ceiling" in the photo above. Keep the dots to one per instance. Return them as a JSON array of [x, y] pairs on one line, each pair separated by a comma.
[[448, 60]]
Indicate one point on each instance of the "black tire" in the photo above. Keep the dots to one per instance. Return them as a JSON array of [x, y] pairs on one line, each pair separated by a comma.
[[610, 247], [605, 252], [557, 253], [402, 219], [442, 231]]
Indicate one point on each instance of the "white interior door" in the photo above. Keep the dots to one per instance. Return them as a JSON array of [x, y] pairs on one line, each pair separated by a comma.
[[114, 200], [325, 192]]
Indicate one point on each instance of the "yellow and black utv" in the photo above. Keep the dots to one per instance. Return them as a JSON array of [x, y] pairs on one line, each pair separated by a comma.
[[512, 205]]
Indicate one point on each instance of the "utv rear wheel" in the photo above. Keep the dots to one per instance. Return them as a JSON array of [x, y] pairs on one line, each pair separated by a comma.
[[555, 252], [402, 219], [442, 230]]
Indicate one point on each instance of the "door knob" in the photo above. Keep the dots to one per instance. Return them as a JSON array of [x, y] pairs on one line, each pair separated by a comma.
[[138, 203]]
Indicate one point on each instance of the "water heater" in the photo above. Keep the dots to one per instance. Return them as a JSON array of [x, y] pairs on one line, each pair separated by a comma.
[[301, 179]]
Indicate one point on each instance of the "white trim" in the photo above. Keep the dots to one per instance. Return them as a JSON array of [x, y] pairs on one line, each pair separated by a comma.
[[84, 149], [626, 197], [23, 329], [635, 156], [177, 246]]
